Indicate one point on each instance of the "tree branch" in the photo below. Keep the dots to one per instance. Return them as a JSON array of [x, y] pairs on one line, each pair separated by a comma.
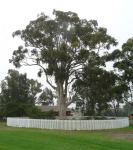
[[70, 102], [74, 71], [26, 64], [50, 83], [71, 80]]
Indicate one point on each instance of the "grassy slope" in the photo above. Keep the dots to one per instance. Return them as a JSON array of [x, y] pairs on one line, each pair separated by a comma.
[[37, 139]]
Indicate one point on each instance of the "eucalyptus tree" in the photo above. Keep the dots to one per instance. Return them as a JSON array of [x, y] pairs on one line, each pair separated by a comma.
[[60, 46]]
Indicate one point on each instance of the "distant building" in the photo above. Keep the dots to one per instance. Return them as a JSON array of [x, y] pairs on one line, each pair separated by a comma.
[[46, 108], [130, 114]]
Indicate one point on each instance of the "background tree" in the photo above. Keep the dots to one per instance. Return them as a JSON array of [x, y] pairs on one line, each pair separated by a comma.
[[94, 86], [119, 95], [18, 94], [128, 109], [46, 97], [123, 64], [96, 89], [60, 47]]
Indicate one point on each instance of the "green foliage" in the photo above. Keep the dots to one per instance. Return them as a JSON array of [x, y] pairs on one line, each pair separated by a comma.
[[46, 97], [18, 93], [128, 109], [35, 113], [50, 114], [93, 86], [61, 46], [123, 63], [97, 88]]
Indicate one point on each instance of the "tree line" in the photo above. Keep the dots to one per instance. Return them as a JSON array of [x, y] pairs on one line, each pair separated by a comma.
[[73, 52], [19, 96]]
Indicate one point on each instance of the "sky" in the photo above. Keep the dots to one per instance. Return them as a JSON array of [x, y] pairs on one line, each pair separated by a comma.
[[115, 15]]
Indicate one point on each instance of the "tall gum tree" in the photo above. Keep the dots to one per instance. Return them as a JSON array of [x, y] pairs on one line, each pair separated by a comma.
[[60, 46]]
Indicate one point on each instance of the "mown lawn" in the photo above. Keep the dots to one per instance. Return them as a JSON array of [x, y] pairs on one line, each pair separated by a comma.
[[38, 139]]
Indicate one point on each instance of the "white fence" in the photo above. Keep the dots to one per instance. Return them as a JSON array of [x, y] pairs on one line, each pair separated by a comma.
[[68, 124]]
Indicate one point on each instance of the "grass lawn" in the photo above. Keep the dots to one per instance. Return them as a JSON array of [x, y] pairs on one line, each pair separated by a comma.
[[38, 139]]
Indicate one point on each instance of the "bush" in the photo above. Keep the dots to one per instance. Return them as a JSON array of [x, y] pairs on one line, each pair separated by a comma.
[[36, 113]]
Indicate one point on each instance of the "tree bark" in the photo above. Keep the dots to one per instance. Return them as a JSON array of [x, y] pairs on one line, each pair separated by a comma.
[[61, 101]]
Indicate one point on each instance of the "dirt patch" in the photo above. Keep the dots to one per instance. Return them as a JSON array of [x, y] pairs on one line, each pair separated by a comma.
[[128, 136]]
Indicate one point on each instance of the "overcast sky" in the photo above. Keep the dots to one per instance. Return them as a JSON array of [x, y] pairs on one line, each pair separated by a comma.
[[115, 15]]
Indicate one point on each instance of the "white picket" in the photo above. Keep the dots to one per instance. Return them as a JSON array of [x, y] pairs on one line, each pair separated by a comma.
[[68, 124]]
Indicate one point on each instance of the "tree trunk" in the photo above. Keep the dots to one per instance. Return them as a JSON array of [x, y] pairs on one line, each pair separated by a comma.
[[116, 109], [61, 101]]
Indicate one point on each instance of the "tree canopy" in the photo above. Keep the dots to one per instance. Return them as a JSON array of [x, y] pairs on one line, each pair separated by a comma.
[[61, 46], [46, 97], [123, 64], [18, 94]]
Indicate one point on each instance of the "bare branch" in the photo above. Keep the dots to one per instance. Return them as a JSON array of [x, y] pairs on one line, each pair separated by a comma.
[[71, 80], [50, 83], [26, 64], [70, 102], [73, 71]]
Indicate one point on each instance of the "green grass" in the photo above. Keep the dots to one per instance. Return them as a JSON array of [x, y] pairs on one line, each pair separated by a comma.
[[38, 139]]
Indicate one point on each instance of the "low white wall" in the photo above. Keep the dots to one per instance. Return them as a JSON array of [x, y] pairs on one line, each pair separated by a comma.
[[68, 124]]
